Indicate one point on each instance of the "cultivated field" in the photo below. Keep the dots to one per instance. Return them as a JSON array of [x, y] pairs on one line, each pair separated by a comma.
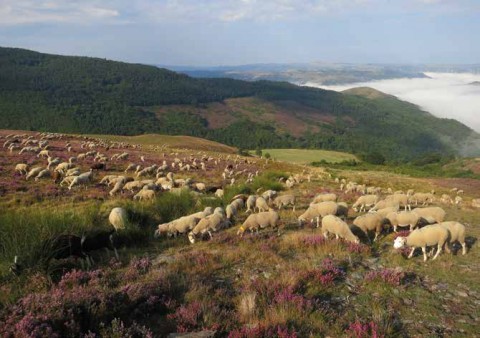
[[307, 156], [286, 282]]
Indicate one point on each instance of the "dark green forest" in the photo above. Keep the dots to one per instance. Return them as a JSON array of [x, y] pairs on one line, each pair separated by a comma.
[[89, 95]]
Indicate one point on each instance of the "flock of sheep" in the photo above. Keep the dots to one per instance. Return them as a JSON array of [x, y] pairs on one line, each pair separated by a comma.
[[144, 179]]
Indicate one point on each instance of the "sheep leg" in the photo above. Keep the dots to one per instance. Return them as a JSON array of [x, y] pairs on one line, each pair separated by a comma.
[[318, 221], [116, 254], [439, 249], [447, 248], [325, 234], [411, 253], [424, 250], [464, 248]]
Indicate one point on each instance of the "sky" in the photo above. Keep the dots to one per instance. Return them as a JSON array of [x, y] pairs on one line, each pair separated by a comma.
[[450, 95], [234, 32]]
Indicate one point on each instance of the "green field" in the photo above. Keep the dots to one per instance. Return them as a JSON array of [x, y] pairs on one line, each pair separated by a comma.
[[306, 156]]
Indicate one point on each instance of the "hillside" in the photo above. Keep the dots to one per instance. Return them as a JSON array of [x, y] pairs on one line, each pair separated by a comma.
[[95, 96]]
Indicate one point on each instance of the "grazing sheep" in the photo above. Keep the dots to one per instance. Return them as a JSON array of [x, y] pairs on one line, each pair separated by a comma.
[[33, 172], [231, 211], [364, 202], [318, 210], [402, 200], [423, 198], [261, 204], [370, 222], [457, 234], [144, 195], [269, 195], [131, 167], [251, 203], [284, 200], [219, 193], [446, 199], [133, 186], [22, 168], [116, 188], [118, 218], [82, 179], [421, 238], [107, 179], [342, 210], [334, 225], [325, 198], [260, 220], [43, 174], [99, 166], [385, 211], [458, 200], [476, 203], [431, 215], [403, 219], [238, 203], [208, 224], [178, 226]]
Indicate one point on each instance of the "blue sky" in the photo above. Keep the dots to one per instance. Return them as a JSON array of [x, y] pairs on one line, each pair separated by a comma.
[[230, 32]]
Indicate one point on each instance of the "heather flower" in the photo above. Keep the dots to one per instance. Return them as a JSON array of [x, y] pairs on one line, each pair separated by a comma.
[[359, 330], [278, 331], [389, 276]]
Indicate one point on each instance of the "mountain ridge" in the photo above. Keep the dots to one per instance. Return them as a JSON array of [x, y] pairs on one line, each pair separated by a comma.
[[92, 95]]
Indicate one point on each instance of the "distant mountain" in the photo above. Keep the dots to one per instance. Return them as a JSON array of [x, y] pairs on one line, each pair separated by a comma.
[[367, 92], [90, 95]]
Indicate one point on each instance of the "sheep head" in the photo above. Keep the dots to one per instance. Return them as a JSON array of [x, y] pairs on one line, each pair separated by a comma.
[[399, 242]]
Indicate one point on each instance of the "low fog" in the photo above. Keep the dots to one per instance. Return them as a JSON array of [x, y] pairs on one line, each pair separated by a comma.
[[449, 95]]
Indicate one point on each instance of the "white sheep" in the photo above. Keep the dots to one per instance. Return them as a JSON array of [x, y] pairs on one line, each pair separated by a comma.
[[33, 172], [118, 218], [133, 186], [457, 234], [269, 195], [22, 168], [403, 219], [251, 203], [219, 193], [365, 201], [318, 211], [423, 198], [431, 214], [43, 174], [261, 204], [209, 224], [82, 179], [401, 199], [116, 188], [370, 222], [334, 225], [325, 198], [260, 220], [385, 211], [284, 200], [144, 195], [421, 238]]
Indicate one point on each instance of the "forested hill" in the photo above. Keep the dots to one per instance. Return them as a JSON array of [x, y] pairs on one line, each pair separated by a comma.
[[90, 95]]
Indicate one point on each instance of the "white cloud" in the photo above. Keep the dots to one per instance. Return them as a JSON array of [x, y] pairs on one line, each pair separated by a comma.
[[18, 12], [446, 95]]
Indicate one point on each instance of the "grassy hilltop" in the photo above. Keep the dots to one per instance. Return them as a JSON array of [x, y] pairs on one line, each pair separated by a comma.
[[91, 95], [291, 283]]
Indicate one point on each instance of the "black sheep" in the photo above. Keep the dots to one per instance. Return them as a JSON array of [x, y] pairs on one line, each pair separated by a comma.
[[98, 166]]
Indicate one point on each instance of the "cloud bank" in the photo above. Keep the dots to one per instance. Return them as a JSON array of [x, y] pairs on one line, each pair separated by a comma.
[[446, 95]]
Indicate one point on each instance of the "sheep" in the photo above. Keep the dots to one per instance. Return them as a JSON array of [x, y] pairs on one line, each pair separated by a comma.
[[64, 166], [325, 198], [251, 203], [476, 203], [260, 220], [424, 198], [42, 174], [365, 201], [43, 153], [72, 172], [238, 203], [431, 215], [118, 218], [200, 187], [132, 186], [82, 179], [457, 234], [384, 204], [99, 240], [178, 226], [458, 200], [284, 200], [334, 225], [107, 179], [231, 211], [426, 236], [208, 224], [22, 168], [400, 199], [446, 199], [269, 195], [99, 166], [261, 204], [318, 210], [219, 193], [131, 167], [33, 172], [370, 222], [116, 188], [144, 194], [385, 211], [402, 219]]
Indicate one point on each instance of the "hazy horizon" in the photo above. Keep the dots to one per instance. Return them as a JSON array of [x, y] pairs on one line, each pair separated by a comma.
[[445, 95]]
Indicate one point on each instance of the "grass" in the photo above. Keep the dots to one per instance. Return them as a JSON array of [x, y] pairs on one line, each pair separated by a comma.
[[307, 156]]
